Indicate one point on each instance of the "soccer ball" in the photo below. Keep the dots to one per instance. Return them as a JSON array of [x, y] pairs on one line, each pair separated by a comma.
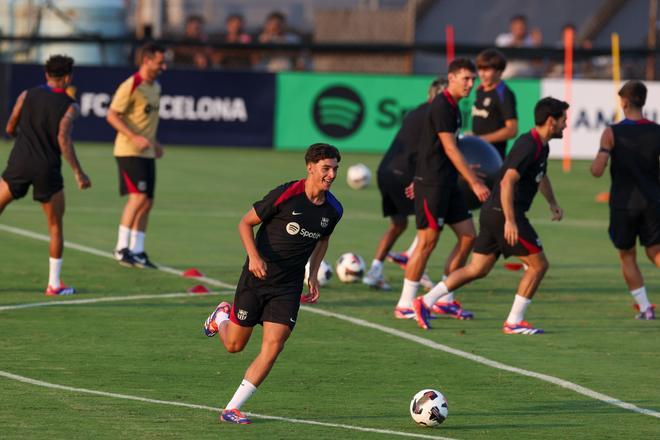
[[358, 176], [324, 275], [350, 268], [429, 408]]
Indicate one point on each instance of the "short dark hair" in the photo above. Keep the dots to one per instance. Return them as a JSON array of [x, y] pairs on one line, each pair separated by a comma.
[[150, 49], [59, 66], [518, 17], [491, 59], [635, 92], [548, 107], [276, 15], [319, 151], [461, 63]]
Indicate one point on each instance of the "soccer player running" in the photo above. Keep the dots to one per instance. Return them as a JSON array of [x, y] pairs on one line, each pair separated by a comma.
[[395, 173], [438, 199], [42, 121], [133, 113], [503, 225], [494, 116], [296, 220], [634, 146]]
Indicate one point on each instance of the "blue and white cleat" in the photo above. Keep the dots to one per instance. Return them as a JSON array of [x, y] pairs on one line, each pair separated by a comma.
[[404, 313], [646, 315], [210, 326], [453, 308], [422, 313], [521, 328], [234, 416]]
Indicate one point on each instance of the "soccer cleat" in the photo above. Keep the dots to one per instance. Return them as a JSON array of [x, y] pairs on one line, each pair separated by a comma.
[[422, 313], [404, 313], [453, 308], [522, 328], [210, 326], [62, 290], [124, 257], [398, 258], [647, 314], [376, 282], [142, 261], [425, 282], [234, 416]]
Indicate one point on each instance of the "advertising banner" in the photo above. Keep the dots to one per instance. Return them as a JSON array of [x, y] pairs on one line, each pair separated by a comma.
[[196, 107], [593, 107], [361, 112]]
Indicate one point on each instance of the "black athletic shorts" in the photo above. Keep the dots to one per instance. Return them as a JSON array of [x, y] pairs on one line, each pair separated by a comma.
[[137, 175], [436, 206], [45, 179], [491, 235], [392, 192], [628, 224], [256, 302]]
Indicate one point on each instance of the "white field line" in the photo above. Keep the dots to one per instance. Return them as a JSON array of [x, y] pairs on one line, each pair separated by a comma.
[[40, 383], [428, 343]]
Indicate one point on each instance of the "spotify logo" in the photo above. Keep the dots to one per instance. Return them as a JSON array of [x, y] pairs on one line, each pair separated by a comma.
[[338, 112]]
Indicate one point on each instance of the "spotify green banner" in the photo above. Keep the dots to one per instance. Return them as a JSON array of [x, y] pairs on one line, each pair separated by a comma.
[[359, 112]]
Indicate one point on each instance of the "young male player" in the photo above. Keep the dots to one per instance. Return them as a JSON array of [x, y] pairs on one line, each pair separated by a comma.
[[296, 220], [133, 113], [438, 199], [41, 121], [634, 146], [503, 225], [494, 116], [395, 173]]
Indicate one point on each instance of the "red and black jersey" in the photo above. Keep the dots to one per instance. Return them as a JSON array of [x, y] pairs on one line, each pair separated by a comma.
[[528, 156], [291, 227], [490, 111], [38, 126], [433, 165], [635, 170], [401, 158]]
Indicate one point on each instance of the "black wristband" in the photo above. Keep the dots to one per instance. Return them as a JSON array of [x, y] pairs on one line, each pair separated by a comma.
[[604, 150]]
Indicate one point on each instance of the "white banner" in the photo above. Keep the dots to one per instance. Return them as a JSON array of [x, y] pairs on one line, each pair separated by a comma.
[[593, 107]]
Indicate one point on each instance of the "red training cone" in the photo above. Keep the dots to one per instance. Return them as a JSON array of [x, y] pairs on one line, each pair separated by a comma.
[[199, 288], [192, 273]]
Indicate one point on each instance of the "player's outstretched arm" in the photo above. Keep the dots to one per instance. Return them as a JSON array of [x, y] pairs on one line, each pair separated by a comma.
[[507, 186], [449, 143], [603, 156], [66, 145], [546, 189], [256, 264], [12, 122], [314, 263]]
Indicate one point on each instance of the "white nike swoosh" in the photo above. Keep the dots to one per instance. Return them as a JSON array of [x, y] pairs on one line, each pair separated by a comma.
[[292, 320], [296, 213]]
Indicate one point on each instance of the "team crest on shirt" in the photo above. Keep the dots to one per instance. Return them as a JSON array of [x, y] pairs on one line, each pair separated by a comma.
[[142, 186], [324, 222], [486, 101], [242, 314]]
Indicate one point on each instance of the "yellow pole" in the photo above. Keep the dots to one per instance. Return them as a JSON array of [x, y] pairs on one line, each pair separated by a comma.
[[616, 73]]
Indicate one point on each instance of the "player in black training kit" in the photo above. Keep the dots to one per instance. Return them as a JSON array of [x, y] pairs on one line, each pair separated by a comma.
[[42, 120], [494, 115], [634, 145], [395, 173], [296, 220], [503, 225], [438, 199]]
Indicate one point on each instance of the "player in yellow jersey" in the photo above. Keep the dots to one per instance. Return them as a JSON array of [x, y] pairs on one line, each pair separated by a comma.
[[133, 113]]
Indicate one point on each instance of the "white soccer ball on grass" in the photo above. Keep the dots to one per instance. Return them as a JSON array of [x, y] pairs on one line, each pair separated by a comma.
[[324, 275], [358, 176], [350, 268], [429, 408]]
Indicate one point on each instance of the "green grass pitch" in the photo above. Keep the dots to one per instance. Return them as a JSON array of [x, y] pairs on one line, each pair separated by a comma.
[[332, 371]]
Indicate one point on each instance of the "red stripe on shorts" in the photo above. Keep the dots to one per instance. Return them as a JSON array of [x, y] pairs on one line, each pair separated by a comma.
[[130, 186], [531, 248], [433, 224]]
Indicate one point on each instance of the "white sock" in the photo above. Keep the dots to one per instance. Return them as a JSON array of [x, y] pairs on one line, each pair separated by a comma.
[[408, 293], [221, 317], [54, 273], [376, 268], [449, 297], [641, 299], [412, 247], [242, 394], [123, 237], [137, 241], [440, 290], [517, 314]]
